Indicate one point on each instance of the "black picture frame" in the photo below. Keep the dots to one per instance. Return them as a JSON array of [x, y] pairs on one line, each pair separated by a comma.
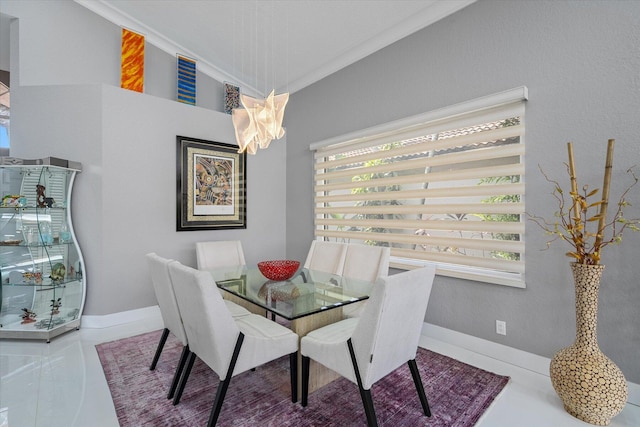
[[211, 185]]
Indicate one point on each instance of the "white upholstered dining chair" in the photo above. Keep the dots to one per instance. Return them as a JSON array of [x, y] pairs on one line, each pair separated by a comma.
[[383, 338], [220, 253], [363, 262], [327, 257], [366, 262], [171, 318], [223, 253], [228, 346]]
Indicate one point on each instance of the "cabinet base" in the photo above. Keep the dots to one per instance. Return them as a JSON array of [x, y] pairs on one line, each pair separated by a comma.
[[40, 334]]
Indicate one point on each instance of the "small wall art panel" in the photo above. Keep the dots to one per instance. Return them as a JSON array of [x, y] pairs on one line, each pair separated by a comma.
[[231, 97], [186, 90], [132, 61]]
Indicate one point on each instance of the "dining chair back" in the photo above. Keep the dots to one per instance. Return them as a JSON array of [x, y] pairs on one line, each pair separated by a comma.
[[206, 318], [171, 317], [366, 263], [390, 326], [384, 337], [220, 253], [326, 256], [228, 345]]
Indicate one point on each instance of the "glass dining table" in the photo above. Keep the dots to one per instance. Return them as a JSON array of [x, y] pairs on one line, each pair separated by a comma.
[[309, 300], [307, 293]]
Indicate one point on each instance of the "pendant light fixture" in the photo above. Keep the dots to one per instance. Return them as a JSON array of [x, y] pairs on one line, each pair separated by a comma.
[[260, 120]]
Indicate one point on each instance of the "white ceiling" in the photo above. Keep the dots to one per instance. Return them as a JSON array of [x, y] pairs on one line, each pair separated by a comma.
[[294, 42]]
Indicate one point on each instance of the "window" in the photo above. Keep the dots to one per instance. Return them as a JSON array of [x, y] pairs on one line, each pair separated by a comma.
[[5, 106], [444, 187]]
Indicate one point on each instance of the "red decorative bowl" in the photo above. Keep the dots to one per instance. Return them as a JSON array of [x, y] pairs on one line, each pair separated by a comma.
[[278, 270]]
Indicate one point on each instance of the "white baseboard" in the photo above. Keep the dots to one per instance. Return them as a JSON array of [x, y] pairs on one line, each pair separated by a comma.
[[108, 320], [505, 354]]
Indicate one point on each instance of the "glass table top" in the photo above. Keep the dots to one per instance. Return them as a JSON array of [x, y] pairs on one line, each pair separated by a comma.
[[306, 293]]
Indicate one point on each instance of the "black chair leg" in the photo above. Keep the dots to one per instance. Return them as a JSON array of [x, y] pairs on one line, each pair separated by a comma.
[[163, 339], [365, 395], [224, 385], [293, 369], [367, 401], [305, 379], [415, 373], [184, 378], [176, 377]]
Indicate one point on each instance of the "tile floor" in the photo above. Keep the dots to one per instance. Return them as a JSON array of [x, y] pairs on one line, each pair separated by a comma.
[[62, 384]]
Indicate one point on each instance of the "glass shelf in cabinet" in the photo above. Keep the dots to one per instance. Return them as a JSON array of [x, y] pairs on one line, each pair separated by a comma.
[[46, 285]]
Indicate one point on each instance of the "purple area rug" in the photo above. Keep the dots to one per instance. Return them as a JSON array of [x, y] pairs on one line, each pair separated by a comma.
[[458, 393]]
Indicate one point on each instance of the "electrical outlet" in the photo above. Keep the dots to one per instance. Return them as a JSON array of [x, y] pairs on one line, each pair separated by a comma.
[[501, 327]]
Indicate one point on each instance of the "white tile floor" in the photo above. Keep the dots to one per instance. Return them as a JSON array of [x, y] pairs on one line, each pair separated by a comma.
[[62, 384]]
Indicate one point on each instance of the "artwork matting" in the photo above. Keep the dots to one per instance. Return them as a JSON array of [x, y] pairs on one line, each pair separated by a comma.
[[211, 185]]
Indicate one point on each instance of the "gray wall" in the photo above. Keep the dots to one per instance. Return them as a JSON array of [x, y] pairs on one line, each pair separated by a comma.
[[5, 35], [124, 200], [580, 61]]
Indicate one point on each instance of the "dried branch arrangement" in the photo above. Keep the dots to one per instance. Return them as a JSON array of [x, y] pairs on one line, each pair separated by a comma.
[[574, 222]]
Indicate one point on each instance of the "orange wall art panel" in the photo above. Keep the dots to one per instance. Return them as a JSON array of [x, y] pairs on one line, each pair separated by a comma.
[[132, 65]]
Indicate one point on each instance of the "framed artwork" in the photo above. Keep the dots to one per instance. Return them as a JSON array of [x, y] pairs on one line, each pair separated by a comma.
[[211, 185]]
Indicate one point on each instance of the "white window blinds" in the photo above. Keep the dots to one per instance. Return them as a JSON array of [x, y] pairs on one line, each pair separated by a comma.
[[444, 187]]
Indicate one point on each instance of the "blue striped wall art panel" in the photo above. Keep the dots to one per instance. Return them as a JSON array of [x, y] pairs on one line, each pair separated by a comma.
[[186, 80]]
